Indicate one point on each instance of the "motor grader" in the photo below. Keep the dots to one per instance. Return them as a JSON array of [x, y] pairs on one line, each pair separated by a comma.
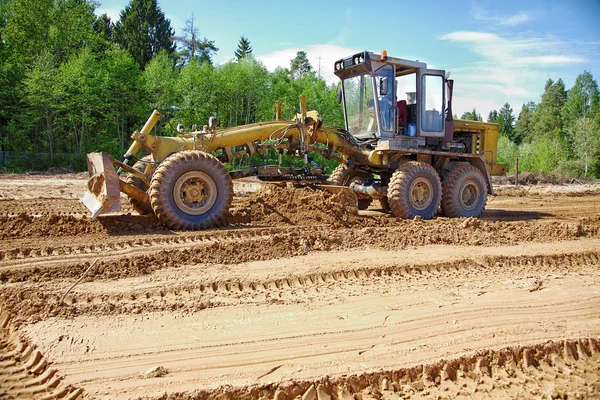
[[400, 145]]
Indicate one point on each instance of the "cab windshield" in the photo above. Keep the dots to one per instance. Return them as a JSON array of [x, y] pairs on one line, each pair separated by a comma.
[[361, 119]]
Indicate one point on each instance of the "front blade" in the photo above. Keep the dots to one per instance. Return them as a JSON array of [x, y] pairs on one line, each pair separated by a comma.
[[343, 194], [103, 194]]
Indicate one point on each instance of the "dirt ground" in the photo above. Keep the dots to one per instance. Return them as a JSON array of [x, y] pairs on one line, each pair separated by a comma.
[[299, 297]]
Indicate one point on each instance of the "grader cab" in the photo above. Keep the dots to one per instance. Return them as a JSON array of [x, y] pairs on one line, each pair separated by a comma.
[[399, 145]]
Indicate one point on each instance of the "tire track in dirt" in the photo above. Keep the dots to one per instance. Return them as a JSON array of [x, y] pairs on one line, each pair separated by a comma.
[[142, 256], [555, 369], [24, 371], [199, 294], [418, 333]]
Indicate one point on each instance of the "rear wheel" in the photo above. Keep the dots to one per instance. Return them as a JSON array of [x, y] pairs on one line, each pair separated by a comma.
[[414, 190], [142, 207], [343, 175], [464, 192], [191, 190]]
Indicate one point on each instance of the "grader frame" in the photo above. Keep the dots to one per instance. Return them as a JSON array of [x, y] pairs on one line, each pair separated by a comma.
[[184, 182]]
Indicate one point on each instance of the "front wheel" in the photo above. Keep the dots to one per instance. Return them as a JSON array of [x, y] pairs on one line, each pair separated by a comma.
[[343, 175], [191, 190], [465, 192], [414, 190]]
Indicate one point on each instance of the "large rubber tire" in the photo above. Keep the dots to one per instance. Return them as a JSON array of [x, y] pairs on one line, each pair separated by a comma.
[[191, 190], [464, 192], [143, 208], [342, 175], [415, 189]]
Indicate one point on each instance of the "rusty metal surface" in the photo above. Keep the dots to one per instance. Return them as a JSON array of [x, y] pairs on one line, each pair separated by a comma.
[[103, 194]]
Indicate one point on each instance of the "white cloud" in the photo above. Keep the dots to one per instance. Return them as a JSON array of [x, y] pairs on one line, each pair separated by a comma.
[[505, 20], [508, 68], [112, 12], [324, 55]]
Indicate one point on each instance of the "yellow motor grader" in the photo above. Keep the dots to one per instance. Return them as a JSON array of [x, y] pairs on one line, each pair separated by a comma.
[[400, 145]]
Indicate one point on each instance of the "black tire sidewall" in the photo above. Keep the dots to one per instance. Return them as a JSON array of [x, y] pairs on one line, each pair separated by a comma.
[[431, 209], [471, 175], [400, 203], [220, 206]]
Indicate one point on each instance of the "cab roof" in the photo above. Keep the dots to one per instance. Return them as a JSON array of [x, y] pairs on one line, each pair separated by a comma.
[[367, 62]]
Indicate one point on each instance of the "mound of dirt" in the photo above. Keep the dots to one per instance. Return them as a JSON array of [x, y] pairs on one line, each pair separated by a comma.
[[25, 225], [274, 206]]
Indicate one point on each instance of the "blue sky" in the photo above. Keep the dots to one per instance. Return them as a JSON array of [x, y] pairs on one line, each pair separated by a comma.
[[497, 51]]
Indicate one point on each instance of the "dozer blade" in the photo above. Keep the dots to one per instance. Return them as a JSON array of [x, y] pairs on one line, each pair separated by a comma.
[[103, 194], [343, 193]]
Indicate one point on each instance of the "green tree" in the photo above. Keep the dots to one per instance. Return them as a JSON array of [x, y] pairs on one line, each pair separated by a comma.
[[143, 31], [243, 91], [471, 116], [39, 91], [104, 27], [160, 80], [493, 116], [506, 120], [193, 47], [587, 142], [583, 99], [122, 99], [300, 66], [196, 87], [243, 48], [523, 126]]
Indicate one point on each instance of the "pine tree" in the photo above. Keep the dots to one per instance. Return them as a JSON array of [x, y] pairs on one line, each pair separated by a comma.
[[493, 116], [506, 120], [583, 99], [523, 126], [471, 116], [143, 31], [103, 26], [300, 65], [243, 48], [194, 48]]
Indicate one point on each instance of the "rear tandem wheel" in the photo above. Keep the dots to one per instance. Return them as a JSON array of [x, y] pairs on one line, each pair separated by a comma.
[[464, 192], [414, 190]]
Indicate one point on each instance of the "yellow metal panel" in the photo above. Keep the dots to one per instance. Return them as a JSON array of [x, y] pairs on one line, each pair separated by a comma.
[[488, 142]]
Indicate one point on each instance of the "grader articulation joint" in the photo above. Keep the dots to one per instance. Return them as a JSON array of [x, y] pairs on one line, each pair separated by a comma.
[[400, 145]]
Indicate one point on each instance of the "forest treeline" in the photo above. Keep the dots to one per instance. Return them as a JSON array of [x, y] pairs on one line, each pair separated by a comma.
[[560, 133], [72, 82]]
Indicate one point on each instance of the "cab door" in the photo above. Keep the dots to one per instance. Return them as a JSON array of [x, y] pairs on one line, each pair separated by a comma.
[[431, 100]]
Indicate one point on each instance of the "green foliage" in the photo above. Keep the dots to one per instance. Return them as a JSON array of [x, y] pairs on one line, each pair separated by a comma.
[[524, 124], [71, 83], [159, 80], [507, 152], [471, 116], [300, 66], [143, 31], [506, 120], [243, 48]]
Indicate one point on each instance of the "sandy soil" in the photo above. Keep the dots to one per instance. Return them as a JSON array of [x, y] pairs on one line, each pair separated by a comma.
[[300, 297]]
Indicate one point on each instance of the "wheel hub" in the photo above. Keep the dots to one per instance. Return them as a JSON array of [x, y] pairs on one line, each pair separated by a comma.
[[469, 194], [421, 193], [195, 192]]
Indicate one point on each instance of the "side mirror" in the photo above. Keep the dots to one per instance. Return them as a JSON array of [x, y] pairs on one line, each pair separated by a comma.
[[338, 95], [383, 86]]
